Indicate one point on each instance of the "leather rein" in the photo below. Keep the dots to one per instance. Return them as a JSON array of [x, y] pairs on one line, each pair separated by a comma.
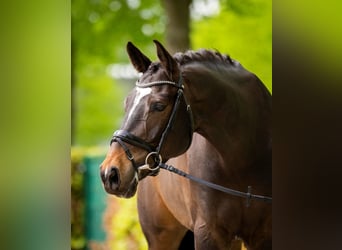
[[122, 137]]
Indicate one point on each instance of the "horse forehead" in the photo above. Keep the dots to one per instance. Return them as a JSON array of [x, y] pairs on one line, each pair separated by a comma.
[[139, 95], [154, 73]]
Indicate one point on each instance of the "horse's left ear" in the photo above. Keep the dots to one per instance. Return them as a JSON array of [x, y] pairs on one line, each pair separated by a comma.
[[168, 62]]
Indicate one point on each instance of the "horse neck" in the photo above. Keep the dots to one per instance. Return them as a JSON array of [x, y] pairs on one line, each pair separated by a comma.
[[232, 111]]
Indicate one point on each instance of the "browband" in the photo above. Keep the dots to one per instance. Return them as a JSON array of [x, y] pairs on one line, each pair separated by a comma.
[[155, 83]]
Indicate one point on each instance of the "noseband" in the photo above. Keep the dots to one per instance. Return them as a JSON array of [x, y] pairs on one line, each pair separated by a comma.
[[123, 136]]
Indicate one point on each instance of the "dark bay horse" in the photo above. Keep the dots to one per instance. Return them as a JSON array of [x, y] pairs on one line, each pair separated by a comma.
[[203, 113]]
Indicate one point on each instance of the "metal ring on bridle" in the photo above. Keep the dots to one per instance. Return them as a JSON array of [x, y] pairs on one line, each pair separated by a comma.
[[148, 156]]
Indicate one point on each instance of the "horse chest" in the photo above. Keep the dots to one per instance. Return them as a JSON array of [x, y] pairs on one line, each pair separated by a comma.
[[176, 195]]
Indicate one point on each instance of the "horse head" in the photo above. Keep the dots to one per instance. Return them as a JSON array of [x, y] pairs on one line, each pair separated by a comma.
[[156, 127]]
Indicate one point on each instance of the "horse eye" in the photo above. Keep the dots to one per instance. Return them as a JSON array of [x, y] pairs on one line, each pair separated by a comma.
[[158, 106]]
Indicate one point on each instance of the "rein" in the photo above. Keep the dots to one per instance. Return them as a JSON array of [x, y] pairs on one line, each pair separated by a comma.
[[122, 136], [249, 196]]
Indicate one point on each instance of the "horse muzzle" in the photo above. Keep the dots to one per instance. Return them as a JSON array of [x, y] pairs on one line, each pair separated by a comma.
[[117, 174], [113, 183]]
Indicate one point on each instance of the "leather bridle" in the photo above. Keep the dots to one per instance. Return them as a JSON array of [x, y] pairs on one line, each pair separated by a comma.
[[122, 136]]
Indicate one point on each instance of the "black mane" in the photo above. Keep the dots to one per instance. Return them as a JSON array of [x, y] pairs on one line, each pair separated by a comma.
[[202, 55]]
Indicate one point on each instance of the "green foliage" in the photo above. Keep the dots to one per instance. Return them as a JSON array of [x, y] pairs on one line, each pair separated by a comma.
[[246, 38], [247, 7], [100, 31], [102, 28], [125, 227], [78, 240], [99, 106]]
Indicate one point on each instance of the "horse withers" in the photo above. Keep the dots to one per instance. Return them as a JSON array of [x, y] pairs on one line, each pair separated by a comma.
[[203, 113]]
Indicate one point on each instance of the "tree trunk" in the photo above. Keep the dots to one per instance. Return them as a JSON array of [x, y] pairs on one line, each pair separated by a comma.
[[178, 25]]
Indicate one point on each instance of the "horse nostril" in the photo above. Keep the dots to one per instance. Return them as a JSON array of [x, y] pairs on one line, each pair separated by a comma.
[[114, 178]]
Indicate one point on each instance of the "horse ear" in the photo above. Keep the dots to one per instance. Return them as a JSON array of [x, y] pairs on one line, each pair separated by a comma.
[[168, 62], [138, 59]]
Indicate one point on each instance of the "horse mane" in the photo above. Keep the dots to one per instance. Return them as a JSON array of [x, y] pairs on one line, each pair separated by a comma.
[[202, 55]]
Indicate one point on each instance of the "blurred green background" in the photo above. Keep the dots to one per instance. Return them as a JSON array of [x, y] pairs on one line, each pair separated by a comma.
[[102, 77]]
